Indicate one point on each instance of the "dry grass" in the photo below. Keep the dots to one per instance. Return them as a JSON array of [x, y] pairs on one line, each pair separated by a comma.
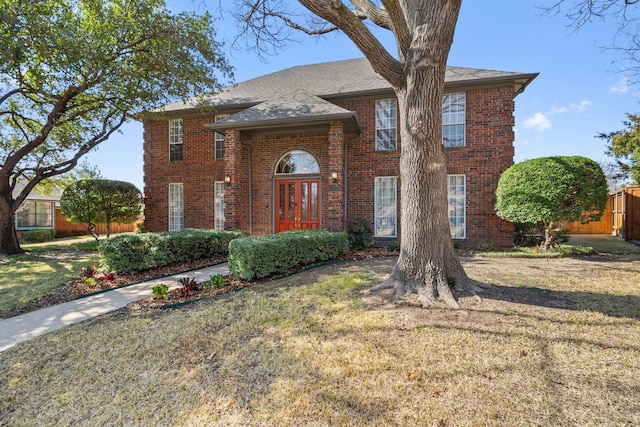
[[41, 273], [554, 342]]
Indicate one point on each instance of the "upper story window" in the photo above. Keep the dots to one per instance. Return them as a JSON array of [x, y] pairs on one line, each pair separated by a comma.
[[175, 140], [219, 139], [297, 161], [386, 124], [454, 119]]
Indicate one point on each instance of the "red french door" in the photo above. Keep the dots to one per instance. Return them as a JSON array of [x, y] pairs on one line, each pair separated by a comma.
[[297, 204]]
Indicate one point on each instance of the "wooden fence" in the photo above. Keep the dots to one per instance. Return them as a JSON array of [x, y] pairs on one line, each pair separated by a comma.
[[604, 226], [626, 213], [621, 216], [64, 227]]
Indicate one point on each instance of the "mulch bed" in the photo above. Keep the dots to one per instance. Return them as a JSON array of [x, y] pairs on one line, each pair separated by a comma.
[[78, 287]]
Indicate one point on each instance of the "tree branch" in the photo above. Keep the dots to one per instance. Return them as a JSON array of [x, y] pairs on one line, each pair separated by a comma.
[[375, 14], [399, 26], [342, 17]]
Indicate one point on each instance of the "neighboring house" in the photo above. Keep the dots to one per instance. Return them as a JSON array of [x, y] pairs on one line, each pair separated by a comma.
[[38, 210], [42, 210], [317, 145]]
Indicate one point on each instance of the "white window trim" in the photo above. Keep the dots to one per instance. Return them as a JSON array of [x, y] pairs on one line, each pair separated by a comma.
[[172, 225], [174, 137], [464, 206], [219, 138], [46, 227], [394, 128], [464, 123], [218, 188], [376, 206]]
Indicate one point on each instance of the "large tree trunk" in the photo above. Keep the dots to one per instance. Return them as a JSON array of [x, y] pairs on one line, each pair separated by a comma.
[[427, 264], [9, 244]]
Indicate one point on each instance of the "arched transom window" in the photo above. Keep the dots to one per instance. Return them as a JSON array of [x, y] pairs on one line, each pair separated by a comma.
[[297, 162]]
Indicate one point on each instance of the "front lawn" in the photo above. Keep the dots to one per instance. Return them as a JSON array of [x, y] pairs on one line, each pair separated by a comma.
[[38, 275], [553, 342]]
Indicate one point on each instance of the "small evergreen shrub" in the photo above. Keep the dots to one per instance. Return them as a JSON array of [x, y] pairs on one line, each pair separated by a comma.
[[260, 256], [215, 281], [360, 234], [88, 245], [160, 291], [131, 252], [38, 235], [394, 245]]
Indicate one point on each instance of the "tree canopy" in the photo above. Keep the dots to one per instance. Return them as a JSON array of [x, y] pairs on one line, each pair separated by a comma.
[[73, 71], [624, 147], [97, 201], [549, 189]]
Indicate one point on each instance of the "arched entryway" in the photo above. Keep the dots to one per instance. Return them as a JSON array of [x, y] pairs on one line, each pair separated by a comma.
[[297, 192]]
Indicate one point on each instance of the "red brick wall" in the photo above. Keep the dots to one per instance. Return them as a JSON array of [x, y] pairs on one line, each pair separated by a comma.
[[488, 152], [197, 171]]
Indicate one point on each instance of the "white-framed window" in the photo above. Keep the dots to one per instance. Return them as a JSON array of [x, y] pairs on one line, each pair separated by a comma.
[[386, 124], [386, 210], [454, 107], [218, 205], [219, 139], [35, 215], [176, 206], [175, 140], [456, 188]]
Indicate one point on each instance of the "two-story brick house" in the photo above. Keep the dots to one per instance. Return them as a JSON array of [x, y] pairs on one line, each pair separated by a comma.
[[317, 145]]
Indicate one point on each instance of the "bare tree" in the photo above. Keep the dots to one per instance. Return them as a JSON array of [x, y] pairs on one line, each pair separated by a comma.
[[623, 13], [423, 31]]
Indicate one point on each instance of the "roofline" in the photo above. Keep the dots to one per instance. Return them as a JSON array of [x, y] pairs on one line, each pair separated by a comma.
[[283, 123], [521, 81]]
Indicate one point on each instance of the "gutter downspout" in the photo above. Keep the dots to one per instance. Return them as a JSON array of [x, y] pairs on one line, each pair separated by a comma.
[[346, 179], [250, 188]]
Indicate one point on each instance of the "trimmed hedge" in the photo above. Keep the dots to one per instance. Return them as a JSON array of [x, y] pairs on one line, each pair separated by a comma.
[[38, 235], [131, 252], [260, 256]]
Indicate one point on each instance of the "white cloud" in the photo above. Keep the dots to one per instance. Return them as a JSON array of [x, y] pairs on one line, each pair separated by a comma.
[[538, 122], [621, 87], [580, 107], [557, 110]]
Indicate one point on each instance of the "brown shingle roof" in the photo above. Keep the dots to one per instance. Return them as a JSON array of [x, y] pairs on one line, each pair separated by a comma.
[[330, 80], [299, 108]]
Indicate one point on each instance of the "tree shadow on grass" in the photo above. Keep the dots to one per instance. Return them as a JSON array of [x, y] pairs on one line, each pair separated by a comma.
[[610, 305], [601, 267]]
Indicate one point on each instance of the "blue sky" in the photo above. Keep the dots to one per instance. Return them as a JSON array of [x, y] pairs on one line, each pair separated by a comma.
[[581, 89]]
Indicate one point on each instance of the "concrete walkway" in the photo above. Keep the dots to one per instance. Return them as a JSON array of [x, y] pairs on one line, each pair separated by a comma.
[[29, 325]]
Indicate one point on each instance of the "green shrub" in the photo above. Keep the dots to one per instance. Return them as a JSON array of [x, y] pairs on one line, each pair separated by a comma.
[[160, 291], [38, 235], [260, 256], [546, 191], [360, 234], [215, 281], [89, 245], [393, 245], [130, 252]]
